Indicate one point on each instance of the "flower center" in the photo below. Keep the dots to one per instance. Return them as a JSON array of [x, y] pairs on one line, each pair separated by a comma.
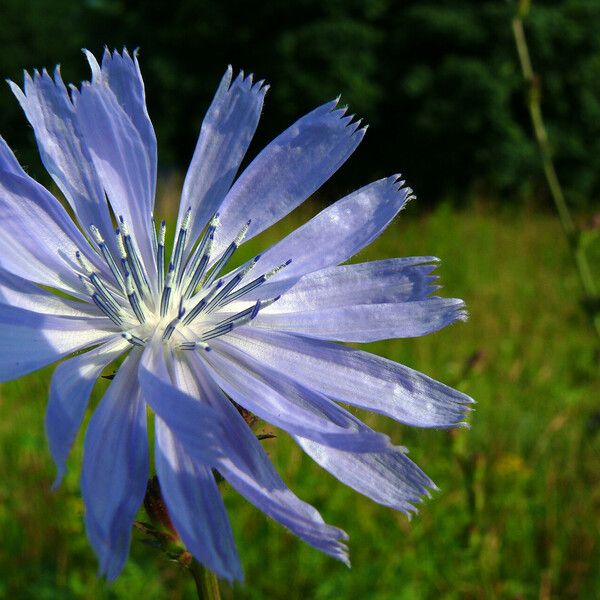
[[187, 300]]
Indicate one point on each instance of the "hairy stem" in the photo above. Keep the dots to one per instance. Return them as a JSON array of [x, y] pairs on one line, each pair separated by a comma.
[[535, 112], [207, 585]]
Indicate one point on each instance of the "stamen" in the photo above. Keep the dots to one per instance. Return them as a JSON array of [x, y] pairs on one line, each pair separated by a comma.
[[160, 255], [218, 266], [108, 257], [134, 340], [244, 313], [194, 346], [233, 282], [166, 295], [170, 328], [153, 228], [98, 284], [180, 245], [232, 322], [134, 299], [253, 284], [198, 262], [177, 285], [122, 253], [266, 303], [137, 270], [202, 304], [84, 263], [106, 309], [199, 269], [86, 284], [104, 292]]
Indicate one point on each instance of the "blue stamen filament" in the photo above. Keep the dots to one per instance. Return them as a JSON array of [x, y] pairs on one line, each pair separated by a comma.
[[137, 270], [218, 266], [198, 262], [179, 247], [160, 256], [139, 307], [134, 299], [108, 257], [166, 294]]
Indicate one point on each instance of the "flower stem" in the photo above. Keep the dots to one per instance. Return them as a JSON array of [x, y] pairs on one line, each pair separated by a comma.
[[570, 230], [207, 585]]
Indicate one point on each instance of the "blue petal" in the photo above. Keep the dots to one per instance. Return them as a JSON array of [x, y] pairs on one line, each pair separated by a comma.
[[225, 135], [8, 161], [357, 378], [366, 322], [49, 109], [123, 161], [30, 340], [284, 403], [70, 389], [375, 282], [38, 239], [334, 235], [287, 172], [122, 74], [195, 505], [389, 478], [20, 293], [115, 468], [248, 469], [197, 425]]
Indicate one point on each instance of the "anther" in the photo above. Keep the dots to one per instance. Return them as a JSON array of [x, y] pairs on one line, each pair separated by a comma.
[[218, 266], [84, 263], [104, 292], [232, 322], [89, 288], [198, 262], [160, 255], [107, 310], [97, 283], [254, 284], [194, 346], [200, 307], [233, 282], [108, 257], [170, 328], [180, 245], [153, 228], [137, 270], [265, 303], [166, 294], [199, 268], [134, 299], [134, 340]]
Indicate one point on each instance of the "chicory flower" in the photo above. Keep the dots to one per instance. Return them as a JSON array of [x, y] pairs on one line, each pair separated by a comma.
[[193, 334]]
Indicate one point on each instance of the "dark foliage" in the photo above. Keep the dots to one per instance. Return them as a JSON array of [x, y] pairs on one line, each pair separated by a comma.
[[438, 81]]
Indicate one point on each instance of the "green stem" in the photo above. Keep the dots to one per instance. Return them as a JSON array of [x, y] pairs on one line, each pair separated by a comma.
[[564, 214], [207, 585]]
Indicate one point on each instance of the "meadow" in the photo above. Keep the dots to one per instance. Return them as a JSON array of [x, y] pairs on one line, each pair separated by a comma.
[[518, 511]]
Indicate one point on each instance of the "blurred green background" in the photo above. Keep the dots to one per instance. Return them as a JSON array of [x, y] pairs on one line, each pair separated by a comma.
[[518, 514]]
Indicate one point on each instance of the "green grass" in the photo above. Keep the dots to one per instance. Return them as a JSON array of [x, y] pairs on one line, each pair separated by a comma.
[[518, 514]]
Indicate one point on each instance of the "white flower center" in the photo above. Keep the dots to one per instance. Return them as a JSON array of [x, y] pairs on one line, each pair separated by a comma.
[[187, 302]]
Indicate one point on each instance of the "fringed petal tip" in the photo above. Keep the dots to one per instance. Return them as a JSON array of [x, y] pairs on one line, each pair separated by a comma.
[[350, 122], [245, 82], [398, 183], [460, 313], [340, 550]]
